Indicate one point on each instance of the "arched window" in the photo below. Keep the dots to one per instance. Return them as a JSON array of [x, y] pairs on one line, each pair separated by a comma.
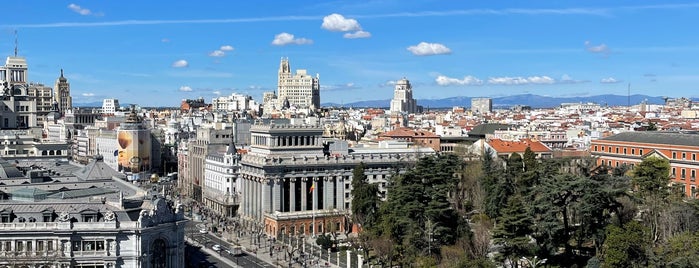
[[158, 251]]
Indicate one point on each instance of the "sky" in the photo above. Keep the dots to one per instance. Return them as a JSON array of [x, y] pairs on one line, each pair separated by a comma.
[[156, 53]]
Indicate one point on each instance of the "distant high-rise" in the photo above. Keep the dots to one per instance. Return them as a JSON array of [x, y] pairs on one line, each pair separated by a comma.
[[62, 94], [300, 89], [110, 106], [481, 105], [403, 98]]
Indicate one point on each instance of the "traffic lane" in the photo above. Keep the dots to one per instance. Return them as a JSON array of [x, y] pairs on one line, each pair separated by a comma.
[[252, 260], [195, 257]]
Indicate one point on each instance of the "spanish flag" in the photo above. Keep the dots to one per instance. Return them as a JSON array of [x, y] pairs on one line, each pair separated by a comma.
[[313, 186]]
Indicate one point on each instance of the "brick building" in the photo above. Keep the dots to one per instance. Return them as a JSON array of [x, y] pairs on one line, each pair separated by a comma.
[[630, 148]]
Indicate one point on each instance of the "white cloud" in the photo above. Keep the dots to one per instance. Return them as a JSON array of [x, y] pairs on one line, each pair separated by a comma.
[[226, 48], [283, 39], [427, 49], [185, 89], [598, 49], [165, 40], [217, 53], [180, 64], [217, 92], [467, 81], [338, 23], [506, 80], [389, 83], [609, 80], [88, 94], [357, 34], [79, 10], [567, 79], [345, 86]]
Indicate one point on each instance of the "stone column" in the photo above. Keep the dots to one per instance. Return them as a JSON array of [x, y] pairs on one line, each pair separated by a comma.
[[292, 194], [341, 192], [304, 194], [267, 195], [278, 184]]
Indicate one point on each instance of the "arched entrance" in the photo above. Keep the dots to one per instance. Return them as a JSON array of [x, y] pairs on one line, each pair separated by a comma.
[[158, 257]]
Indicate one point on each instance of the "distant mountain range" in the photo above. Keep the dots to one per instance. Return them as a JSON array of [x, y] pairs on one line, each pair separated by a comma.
[[534, 101]]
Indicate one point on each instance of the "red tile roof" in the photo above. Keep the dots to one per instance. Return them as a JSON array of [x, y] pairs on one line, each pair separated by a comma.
[[502, 146], [408, 132]]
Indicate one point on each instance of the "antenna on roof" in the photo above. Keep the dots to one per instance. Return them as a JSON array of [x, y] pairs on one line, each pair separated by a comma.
[[15, 42], [629, 96]]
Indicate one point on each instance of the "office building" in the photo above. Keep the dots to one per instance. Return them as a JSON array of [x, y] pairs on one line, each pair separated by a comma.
[[481, 105], [299, 90], [110, 106], [62, 94], [403, 101]]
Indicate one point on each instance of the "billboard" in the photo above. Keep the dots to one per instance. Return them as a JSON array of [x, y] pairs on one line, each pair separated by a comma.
[[134, 150]]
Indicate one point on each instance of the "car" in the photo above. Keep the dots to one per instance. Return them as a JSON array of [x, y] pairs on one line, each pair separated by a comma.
[[202, 231], [216, 247]]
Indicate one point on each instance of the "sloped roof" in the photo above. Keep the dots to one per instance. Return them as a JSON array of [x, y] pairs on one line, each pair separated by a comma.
[[657, 137], [409, 132], [78, 193], [97, 170], [8, 170], [483, 129], [503, 146]]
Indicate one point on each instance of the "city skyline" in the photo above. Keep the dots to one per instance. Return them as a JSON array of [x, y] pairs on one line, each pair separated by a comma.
[[156, 54]]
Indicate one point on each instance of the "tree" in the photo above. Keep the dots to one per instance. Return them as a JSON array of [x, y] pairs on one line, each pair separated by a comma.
[[681, 250], [625, 247], [650, 182], [513, 231], [365, 198]]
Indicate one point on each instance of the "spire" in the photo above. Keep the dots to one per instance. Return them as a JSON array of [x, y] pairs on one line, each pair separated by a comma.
[[16, 43], [61, 72]]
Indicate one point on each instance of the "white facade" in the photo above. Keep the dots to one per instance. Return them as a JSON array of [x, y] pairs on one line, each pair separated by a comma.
[[110, 106], [481, 105], [220, 180], [235, 102], [300, 89], [403, 101]]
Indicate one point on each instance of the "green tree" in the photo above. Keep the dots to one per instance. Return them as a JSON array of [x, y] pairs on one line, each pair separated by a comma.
[[650, 182], [625, 247], [681, 250], [365, 198], [513, 230]]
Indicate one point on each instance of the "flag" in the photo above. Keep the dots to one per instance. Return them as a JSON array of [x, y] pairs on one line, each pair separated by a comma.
[[313, 186]]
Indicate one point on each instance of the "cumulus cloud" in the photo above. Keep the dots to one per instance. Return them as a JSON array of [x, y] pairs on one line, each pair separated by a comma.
[[597, 49], [506, 80], [226, 48], [88, 94], [428, 49], [338, 23], [609, 80], [345, 86], [77, 9], [217, 53], [185, 89], [466, 81], [389, 83], [357, 34], [180, 64], [566, 79], [283, 39]]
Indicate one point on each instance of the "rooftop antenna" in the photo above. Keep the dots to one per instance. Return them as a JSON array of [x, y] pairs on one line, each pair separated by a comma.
[[15, 43], [629, 96]]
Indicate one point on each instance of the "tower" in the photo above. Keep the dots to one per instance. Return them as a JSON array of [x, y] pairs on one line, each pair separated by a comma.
[[403, 97], [62, 94], [299, 89]]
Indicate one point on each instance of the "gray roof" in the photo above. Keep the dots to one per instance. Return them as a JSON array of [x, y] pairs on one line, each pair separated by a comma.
[[657, 137], [97, 170], [82, 193], [8, 170]]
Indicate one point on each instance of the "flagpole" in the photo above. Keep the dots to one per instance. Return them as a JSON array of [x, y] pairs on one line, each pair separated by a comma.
[[314, 209]]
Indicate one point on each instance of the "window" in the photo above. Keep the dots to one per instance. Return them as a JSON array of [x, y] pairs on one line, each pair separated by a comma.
[[624, 150], [640, 151], [683, 173], [693, 174], [596, 148], [39, 245], [694, 157], [674, 155], [633, 151], [684, 156], [76, 245], [617, 150], [673, 172]]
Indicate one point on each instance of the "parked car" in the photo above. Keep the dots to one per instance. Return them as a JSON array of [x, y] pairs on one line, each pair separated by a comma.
[[216, 247], [235, 250], [202, 231]]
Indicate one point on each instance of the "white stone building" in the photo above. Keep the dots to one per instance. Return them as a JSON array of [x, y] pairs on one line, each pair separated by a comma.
[[403, 101], [220, 181], [299, 90]]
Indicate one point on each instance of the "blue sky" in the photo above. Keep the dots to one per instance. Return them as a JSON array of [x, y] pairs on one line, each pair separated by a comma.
[[155, 53]]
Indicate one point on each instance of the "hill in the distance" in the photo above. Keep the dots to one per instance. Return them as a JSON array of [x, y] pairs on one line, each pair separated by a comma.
[[534, 101]]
